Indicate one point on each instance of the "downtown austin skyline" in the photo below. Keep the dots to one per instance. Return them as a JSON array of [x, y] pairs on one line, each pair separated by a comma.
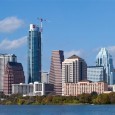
[[76, 27]]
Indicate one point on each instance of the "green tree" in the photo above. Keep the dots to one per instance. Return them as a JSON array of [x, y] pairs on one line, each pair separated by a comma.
[[112, 97], [48, 99], [102, 99], [39, 99], [20, 101], [93, 96], [84, 98], [57, 100], [2, 95]]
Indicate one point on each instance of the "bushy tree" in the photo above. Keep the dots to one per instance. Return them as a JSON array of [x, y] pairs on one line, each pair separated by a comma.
[[112, 97], [102, 99], [84, 98]]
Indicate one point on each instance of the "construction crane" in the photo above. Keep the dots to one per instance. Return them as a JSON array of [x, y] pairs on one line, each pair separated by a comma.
[[41, 23]]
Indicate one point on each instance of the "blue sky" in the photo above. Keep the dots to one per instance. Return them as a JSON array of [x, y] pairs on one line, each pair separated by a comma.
[[75, 26]]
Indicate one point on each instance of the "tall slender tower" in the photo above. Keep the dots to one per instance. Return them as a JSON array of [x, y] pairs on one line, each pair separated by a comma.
[[55, 76], [34, 54], [105, 59]]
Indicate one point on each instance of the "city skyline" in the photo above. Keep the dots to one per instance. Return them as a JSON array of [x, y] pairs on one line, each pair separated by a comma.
[[75, 27]]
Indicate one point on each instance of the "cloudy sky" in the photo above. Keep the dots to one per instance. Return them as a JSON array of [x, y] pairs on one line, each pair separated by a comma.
[[78, 27]]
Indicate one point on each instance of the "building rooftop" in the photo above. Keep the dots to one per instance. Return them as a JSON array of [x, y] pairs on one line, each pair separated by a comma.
[[85, 81], [74, 57], [7, 55], [15, 65], [94, 66]]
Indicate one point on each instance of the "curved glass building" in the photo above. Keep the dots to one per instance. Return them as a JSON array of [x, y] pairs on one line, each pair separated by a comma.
[[105, 59], [34, 54]]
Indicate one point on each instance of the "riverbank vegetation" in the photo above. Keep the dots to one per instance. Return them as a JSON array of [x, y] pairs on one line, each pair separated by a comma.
[[92, 98]]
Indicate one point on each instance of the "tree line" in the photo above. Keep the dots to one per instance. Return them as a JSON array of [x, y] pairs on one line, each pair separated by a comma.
[[84, 98]]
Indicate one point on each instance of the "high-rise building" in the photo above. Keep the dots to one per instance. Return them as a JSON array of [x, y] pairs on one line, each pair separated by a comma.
[[45, 77], [34, 54], [4, 59], [96, 73], [105, 59], [74, 69], [14, 74], [55, 76]]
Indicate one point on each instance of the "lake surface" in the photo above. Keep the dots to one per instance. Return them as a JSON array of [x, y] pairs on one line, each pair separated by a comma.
[[57, 110]]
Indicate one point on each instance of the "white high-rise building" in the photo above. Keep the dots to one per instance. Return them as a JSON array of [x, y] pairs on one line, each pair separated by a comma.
[[45, 77], [105, 59], [74, 69], [4, 58]]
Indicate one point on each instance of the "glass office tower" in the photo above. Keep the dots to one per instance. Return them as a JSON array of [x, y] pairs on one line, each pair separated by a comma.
[[96, 73], [105, 59], [34, 54]]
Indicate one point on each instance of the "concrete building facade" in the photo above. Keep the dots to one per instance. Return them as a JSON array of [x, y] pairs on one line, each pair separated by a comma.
[[74, 89], [45, 77], [24, 89], [55, 75], [74, 69], [4, 59], [14, 74], [32, 89]]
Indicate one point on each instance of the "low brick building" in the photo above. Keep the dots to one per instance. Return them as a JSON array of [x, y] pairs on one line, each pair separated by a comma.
[[32, 89], [84, 86]]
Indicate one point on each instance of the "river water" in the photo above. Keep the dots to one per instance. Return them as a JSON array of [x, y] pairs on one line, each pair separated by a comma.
[[57, 110]]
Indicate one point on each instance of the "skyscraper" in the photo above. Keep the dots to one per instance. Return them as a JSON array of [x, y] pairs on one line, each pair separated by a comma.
[[14, 74], [105, 59], [34, 54], [74, 69], [55, 76], [4, 59]]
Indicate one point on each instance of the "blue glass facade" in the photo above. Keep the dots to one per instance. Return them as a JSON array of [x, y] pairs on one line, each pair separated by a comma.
[[96, 73], [105, 59], [34, 54]]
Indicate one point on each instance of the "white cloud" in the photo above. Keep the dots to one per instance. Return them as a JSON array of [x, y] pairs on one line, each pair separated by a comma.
[[8, 45], [10, 24], [111, 49], [72, 52]]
